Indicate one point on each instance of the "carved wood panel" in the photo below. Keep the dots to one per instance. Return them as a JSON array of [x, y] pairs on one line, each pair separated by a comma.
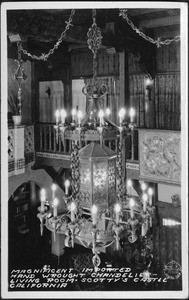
[[168, 58], [82, 64], [160, 155]]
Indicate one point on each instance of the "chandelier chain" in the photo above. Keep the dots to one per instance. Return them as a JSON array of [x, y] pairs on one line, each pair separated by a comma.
[[158, 42], [94, 42], [44, 56], [19, 46], [94, 16]]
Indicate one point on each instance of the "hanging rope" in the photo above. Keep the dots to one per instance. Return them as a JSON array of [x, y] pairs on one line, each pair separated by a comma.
[[158, 42], [44, 56]]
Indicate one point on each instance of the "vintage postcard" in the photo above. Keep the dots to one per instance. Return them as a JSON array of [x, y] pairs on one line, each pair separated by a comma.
[[94, 150]]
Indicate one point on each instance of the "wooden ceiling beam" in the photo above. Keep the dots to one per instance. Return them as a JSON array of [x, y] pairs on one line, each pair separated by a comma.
[[160, 22], [144, 11], [166, 34]]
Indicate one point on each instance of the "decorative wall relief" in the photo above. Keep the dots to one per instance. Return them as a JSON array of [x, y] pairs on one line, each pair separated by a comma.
[[29, 138], [10, 144], [29, 144], [160, 156]]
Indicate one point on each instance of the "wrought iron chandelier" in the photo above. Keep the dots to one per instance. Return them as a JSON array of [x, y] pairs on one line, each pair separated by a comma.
[[99, 208]]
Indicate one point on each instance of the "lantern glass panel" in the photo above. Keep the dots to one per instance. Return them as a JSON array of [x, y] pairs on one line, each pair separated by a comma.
[[100, 183], [85, 183], [111, 181]]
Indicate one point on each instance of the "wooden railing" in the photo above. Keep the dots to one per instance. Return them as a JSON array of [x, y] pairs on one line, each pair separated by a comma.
[[45, 140]]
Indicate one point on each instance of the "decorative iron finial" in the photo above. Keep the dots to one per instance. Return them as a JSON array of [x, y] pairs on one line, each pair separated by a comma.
[[19, 76]]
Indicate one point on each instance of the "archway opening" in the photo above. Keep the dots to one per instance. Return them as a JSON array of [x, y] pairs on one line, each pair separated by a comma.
[[26, 247]]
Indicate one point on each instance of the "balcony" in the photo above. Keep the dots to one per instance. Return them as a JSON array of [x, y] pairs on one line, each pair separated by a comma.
[[154, 156]]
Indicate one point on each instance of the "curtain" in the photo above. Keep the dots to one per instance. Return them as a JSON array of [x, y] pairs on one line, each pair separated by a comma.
[[137, 98], [166, 97], [167, 101]]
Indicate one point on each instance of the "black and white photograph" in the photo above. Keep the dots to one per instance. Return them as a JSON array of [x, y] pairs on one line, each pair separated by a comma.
[[94, 150]]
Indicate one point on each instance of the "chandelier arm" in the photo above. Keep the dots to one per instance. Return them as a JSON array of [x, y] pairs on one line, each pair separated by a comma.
[[103, 95], [108, 120], [105, 246], [80, 240]]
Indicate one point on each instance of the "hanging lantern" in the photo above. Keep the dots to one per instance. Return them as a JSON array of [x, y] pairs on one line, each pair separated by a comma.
[[97, 176]]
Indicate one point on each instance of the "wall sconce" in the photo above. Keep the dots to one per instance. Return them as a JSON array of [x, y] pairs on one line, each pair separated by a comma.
[[176, 200], [148, 87], [149, 82]]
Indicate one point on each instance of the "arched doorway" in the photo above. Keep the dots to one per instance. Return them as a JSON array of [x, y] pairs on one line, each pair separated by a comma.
[[26, 247]]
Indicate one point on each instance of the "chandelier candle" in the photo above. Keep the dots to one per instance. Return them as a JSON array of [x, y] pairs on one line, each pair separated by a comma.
[[43, 199], [145, 199], [90, 116], [143, 187], [63, 116], [117, 211], [72, 209], [132, 114], [67, 184], [53, 190], [132, 204], [57, 115], [143, 232], [79, 115], [121, 115], [101, 115], [150, 193], [129, 185], [94, 214], [108, 112], [73, 115], [55, 204]]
